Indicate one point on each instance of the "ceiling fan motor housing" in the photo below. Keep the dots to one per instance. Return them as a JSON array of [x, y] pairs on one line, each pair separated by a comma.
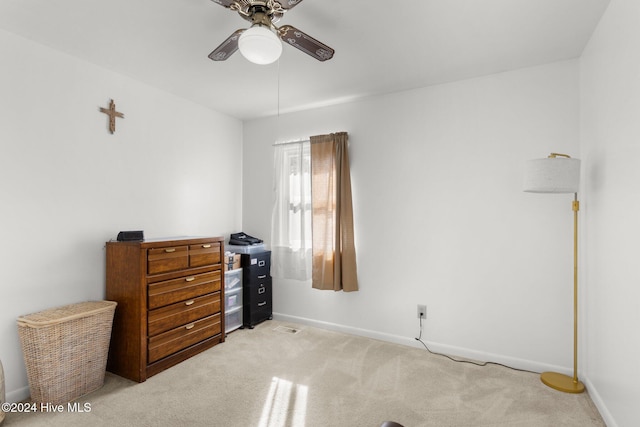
[[260, 16], [259, 11]]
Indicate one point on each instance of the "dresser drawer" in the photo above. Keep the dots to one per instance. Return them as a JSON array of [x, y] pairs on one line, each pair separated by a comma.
[[182, 337], [204, 254], [162, 260], [184, 288], [181, 313]]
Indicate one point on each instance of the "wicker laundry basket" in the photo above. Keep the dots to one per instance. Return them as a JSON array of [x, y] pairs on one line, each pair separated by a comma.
[[65, 350]]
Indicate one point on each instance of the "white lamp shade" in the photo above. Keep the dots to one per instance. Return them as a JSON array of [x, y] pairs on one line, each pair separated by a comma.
[[260, 45], [552, 175]]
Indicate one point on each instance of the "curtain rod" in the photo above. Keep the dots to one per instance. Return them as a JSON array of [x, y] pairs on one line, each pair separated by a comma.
[[298, 141]]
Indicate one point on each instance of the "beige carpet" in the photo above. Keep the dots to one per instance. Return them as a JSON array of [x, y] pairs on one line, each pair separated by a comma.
[[268, 377]]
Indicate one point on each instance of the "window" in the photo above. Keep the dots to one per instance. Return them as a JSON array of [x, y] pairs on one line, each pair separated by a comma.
[[312, 233], [291, 219]]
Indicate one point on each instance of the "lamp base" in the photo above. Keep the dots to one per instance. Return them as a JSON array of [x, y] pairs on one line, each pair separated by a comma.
[[562, 382]]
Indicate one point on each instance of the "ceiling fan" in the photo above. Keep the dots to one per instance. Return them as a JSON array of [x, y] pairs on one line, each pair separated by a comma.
[[261, 42]]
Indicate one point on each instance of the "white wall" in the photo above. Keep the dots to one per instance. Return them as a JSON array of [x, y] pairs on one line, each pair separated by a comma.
[[610, 90], [67, 185], [440, 216]]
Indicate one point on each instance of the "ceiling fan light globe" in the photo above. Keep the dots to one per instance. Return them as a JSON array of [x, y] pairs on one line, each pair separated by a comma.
[[260, 45]]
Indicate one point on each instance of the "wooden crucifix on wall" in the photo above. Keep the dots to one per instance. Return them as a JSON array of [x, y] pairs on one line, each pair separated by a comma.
[[112, 113]]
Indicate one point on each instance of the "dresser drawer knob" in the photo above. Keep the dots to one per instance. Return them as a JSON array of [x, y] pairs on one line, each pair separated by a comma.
[[190, 326], [190, 279], [262, 277], [263, 303], [169, 250], [206, 246], [189, 302]]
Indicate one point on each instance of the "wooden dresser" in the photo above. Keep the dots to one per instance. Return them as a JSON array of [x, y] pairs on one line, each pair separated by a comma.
[[170, 295]]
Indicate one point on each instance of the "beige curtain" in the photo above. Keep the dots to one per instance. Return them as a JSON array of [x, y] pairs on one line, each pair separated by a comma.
[[334, 253]]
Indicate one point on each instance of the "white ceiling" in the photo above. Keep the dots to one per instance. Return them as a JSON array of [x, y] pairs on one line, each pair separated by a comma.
[[381, 46]]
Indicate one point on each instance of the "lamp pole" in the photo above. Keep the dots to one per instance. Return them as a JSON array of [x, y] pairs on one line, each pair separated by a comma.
[[576, 208], [553, 379]]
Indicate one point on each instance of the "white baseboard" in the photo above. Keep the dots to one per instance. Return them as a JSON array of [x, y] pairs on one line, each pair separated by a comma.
[[597, 400], [348, 330]]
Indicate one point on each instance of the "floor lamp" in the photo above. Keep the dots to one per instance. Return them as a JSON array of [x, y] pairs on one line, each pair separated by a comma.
[[559, 173]]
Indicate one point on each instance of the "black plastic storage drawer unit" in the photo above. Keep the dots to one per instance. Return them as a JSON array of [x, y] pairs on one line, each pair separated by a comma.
[[256, 280]]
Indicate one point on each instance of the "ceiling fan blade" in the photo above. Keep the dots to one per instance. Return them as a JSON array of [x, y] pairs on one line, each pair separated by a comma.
[[288, 4], [305, 43], [225, 3], [227, 47]]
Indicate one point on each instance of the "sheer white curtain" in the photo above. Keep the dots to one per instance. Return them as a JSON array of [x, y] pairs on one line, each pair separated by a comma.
[[291, 218]]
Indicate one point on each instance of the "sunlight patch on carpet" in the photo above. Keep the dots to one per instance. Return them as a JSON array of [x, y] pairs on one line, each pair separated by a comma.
[[286, 404]]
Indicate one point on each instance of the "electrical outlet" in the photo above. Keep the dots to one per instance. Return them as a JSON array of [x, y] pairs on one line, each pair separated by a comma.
[[422, 311]]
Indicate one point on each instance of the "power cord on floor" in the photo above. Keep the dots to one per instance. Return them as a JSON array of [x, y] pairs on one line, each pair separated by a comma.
[[471, 362]]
